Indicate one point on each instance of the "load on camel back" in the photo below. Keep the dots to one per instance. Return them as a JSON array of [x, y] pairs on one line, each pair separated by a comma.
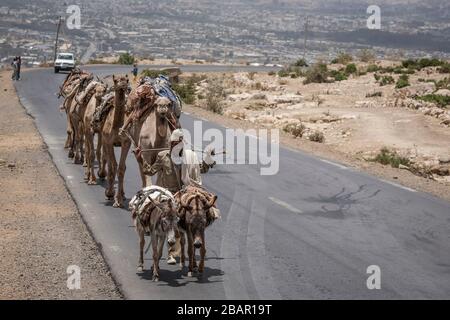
[[150, 92]]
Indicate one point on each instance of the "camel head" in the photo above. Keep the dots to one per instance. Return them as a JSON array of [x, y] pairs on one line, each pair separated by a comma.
[[162, 106], [121, 83], [100, 91]]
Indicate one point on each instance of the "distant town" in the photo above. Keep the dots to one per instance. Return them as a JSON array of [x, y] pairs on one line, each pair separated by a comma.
[[258, 32]]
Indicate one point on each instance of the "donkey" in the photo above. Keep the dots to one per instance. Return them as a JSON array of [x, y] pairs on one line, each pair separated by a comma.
[[158, 217], [195, 216]]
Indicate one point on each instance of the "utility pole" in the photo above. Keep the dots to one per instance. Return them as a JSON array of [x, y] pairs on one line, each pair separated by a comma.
[[57, 36], [306, 37]]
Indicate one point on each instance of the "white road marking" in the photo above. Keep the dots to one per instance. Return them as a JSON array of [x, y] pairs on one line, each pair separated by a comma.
[[115, 248], [70, 177], [285, 205], [398, 185], [335, 164]]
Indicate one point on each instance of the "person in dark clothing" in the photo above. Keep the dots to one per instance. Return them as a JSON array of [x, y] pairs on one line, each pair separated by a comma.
[[135, 71], [19, 64], [15, 65]]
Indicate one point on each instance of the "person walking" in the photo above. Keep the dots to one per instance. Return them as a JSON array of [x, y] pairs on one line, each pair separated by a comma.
[[19, 65], [177, 167], [15, 67], [135, 71]]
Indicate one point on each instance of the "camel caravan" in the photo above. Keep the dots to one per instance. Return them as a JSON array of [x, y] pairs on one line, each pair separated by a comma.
[[146, 119]]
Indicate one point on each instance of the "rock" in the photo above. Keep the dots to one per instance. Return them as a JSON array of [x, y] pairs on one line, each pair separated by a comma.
[[11, 165], [401, 166], [444, 159], [2, 162], [259, 96], [443, 92]]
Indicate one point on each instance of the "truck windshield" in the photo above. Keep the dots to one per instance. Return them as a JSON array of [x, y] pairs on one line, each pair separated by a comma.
[[65, 56]]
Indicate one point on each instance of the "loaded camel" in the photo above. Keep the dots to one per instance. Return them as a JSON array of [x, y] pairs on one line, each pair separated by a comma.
[[99, 90], [111, 138]]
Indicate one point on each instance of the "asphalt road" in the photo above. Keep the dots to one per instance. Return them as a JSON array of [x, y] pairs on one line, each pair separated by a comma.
[[308, 232]]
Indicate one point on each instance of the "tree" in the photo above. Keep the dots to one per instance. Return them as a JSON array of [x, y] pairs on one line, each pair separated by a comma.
[[126, 58]]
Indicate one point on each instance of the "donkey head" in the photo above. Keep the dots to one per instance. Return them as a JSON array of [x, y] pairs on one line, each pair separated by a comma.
[[196, 207], [169, 220]]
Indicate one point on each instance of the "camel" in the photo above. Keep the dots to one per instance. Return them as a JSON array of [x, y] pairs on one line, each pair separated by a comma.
[[110, 138], [68, 90], [150, 133], [100, 90], [75, 114]]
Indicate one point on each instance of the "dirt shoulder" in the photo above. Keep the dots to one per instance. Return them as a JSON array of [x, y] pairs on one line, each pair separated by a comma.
[[42, 233], [402, 177]]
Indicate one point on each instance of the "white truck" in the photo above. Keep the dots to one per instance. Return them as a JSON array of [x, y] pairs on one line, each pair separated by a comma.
[[64, 61]]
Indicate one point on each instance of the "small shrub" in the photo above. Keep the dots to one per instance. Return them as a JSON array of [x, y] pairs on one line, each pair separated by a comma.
[[152, 73], [318, 73], [251, 75], [215, 94], [366, 55], [317, 136], [351, 69], [385, 80], [374, 94], [372, 68], [339, 76], [445, 68], [343, 58], [439, 100], [376, 76], [300, 63], [271, 73], [402, 82], [296, 129], [126, 58], [283, 73], [388, 157]]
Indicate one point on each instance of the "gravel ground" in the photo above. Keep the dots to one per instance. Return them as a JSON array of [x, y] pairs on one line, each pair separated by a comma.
[[41, 231]]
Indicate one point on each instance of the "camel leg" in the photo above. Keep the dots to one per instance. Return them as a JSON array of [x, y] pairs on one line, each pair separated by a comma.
[[120, 194], [100, 157], [90, 157], [112, 169], [69, 134], [87, 157]]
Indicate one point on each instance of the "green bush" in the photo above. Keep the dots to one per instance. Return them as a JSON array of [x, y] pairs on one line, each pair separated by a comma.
[[402, 82], [283, 73], [372, 68], [445, 68], [300, 63], [439, 100], [317, 136], [351, 69], [374, 94], [186, 91], [215, 94], [296, 129], [385, 80], [366, 55], [126, 58], [153, 73], [318, 73], [343, 58], [339, 76], [388, 157]]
